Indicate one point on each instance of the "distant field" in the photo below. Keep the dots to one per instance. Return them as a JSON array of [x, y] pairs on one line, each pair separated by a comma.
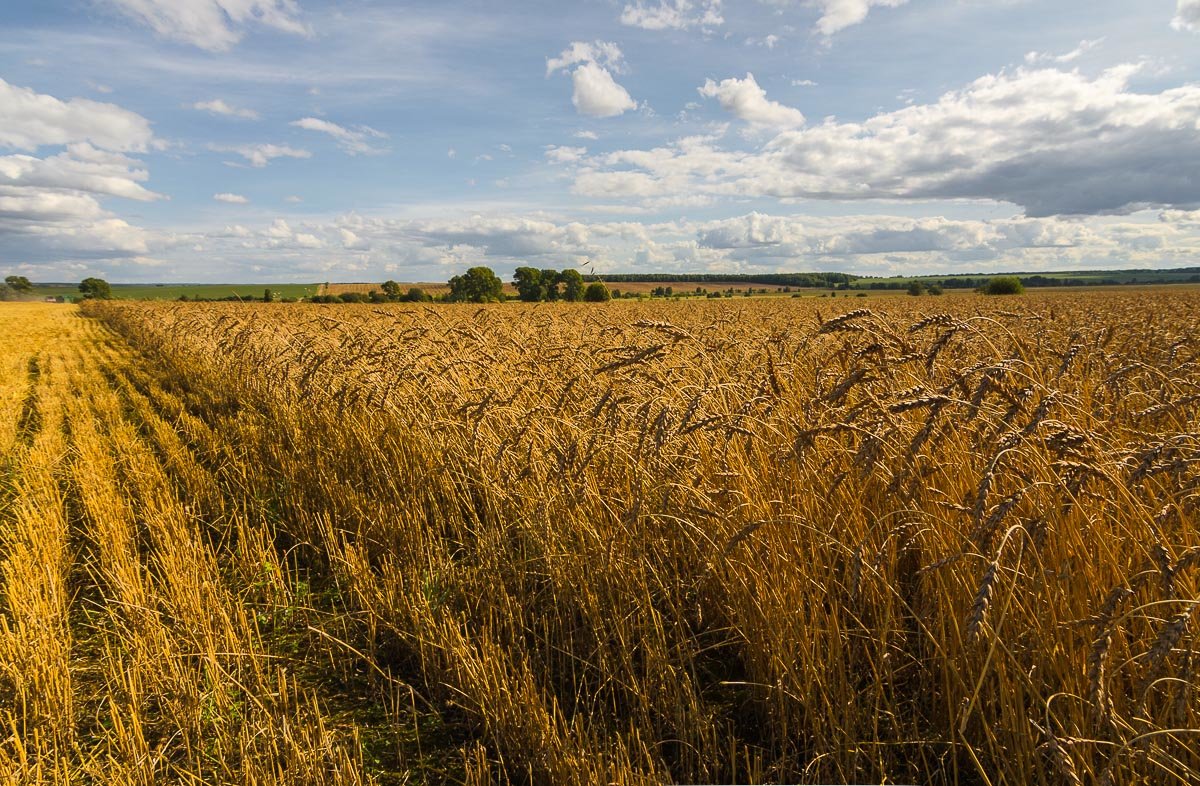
[[431, 288], [174, 291], [636, 287], [1073, 279]]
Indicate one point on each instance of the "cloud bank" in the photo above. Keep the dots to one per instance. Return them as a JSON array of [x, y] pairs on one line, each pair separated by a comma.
[[1049, 141]]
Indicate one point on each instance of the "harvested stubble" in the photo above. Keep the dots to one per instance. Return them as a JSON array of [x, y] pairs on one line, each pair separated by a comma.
[[703, 542]]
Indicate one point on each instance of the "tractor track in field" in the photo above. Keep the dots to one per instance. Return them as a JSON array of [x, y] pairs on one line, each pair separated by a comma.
[[143, 493]]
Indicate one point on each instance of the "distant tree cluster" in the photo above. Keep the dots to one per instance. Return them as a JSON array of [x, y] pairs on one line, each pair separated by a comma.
[[15, 288], [477, 285], [536, 286], [388, 292], [809, 280], [917, 288]]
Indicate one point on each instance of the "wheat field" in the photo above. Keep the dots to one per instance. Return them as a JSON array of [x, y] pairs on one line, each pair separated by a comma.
[[946, 541]]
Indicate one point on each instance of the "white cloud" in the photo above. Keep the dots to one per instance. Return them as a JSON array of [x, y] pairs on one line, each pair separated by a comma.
[[1187, 16], [1052, 142], [604, 53], [293, 199], [564, 155], [215, 25], [50, 206], [837, 15], [769, 41], [232, 199], [29, 120], [673, 14], [354, 141], [219, 107], [350, 240], [744, 99], [261, 154], [803, 83], [586, 135], [597, 94], [37, 206], [81, 168], [1076, 53]]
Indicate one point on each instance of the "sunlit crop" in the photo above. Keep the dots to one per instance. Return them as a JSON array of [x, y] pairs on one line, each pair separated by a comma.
[[940, 540]]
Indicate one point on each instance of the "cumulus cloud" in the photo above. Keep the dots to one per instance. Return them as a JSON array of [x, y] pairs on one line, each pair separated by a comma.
[[81, 168], [673, 14], [354, 141], [564, 155], [215, 25], [595, 93], [219, 107], [50, 206], [744, 99], [789, 237], [232, 199], [837, 15], [260, 155], [29, 120], [598, 94], [1187, 16], [1050, 141]]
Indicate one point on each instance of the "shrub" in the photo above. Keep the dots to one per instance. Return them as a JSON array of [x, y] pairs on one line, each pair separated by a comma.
[[95, 288], [596, 292], [1004, 285]]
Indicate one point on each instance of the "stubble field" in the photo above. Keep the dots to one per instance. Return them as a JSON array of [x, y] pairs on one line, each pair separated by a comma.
[[932, 541]]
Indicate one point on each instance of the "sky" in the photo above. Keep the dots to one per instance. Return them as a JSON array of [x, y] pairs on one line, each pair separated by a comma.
[[304, 140]]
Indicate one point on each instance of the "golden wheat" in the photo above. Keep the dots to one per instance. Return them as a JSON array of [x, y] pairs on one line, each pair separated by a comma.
[[639, 543]]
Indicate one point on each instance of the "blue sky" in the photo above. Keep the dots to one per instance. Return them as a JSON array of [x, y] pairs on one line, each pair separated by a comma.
[[297, 140]]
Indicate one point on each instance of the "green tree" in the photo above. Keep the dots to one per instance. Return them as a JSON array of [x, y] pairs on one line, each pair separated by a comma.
[[391, 289], [477, 285], [1004, 285], [596, 292], [550, 281], [18, 284], [415, 295], [916, 288], [573, 285], [268, 295], [528, 281], [95, 289]]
